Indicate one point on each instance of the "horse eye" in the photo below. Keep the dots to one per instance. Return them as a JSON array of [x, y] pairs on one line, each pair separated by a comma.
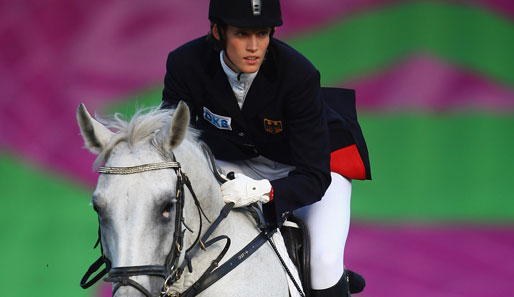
[[167, 209]]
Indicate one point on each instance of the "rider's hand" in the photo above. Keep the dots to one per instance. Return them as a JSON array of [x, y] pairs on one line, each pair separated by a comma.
[[243, 191]]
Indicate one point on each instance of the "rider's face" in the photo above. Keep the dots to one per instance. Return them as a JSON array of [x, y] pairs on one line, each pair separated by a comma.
[[245, 47]]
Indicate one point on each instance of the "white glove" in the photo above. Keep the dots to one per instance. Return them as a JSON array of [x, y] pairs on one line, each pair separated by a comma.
[[244, 191]]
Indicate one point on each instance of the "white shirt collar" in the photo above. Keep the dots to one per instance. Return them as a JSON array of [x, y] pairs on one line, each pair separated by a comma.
[[233, 76], [240, 82]]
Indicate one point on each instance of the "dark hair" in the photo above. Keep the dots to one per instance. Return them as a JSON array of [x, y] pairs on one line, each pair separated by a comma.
[[220, 44]]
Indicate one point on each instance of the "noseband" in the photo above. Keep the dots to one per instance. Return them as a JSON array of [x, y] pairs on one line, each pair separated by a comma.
[[172, 269]]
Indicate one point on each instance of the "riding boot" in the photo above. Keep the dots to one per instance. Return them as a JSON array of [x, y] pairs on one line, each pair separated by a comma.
[[356, 281], [341, 289]]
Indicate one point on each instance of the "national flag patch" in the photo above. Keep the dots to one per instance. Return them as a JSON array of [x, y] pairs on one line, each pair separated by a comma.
[[273, 127]]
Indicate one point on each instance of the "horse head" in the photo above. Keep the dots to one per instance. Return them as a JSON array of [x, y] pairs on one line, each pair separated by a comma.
[[137, 205]]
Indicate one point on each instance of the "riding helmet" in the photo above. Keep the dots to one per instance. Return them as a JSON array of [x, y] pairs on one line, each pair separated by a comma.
[[246, 13]]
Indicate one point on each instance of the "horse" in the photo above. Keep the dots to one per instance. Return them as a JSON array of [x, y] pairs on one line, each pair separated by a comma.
[[154, 197]]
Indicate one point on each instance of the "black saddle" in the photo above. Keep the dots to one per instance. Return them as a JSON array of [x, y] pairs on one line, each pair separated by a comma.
[[296, 238]]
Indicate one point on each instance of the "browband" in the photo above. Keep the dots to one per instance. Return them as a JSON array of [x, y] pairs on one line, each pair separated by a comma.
[[139, 168]]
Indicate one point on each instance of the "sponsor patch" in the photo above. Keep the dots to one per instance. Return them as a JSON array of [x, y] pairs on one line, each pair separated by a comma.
[[273, 127], [218, 121]]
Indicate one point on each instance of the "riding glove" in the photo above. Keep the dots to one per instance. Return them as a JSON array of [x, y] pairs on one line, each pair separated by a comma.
[[243, 190]]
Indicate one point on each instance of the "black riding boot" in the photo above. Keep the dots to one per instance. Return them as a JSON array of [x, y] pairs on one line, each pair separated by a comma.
[[341, 289], [355, 281]]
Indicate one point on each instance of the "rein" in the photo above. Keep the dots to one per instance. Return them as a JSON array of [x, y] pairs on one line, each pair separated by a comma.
[[178, 258]]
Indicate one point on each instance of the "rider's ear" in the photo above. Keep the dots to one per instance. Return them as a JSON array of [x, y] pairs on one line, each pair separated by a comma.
[[96, 136], [178, 127], [216, 31]]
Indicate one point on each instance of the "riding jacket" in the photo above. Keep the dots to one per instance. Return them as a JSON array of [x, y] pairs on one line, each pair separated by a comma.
[[284, 118]]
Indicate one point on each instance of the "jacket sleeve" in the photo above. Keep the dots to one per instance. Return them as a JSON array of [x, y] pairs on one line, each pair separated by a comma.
[[175, 90], [310, 152]]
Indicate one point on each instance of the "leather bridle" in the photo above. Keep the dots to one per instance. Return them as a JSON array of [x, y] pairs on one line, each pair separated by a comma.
[[179, 258], [172, 269]]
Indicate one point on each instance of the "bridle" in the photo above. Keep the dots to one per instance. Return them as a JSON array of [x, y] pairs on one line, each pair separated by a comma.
[[178, 257], [172, 269]]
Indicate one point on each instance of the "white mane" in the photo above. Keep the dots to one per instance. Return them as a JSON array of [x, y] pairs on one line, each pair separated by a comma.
[[143, 126]]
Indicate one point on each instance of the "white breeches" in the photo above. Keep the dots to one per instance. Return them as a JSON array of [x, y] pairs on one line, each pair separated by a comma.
[[327, 220]]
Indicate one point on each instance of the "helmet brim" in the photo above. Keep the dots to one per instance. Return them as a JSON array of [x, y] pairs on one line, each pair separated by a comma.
[[255, 22]]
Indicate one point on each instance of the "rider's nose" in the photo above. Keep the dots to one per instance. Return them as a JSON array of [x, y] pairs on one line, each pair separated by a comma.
[[252, 44]]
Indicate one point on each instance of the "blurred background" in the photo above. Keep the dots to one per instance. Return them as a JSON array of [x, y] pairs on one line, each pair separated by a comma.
[[435, 97]]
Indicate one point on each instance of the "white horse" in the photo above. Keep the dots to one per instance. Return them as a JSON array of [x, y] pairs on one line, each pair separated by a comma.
[[137, 201]]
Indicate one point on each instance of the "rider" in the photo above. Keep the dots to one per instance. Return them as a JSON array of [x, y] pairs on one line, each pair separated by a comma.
[[264, 115]]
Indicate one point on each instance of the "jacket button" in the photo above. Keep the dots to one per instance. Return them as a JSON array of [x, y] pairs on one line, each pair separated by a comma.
[[241, 134]]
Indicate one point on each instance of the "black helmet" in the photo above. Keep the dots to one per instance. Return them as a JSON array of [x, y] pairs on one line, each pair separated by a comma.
[[246, 13]]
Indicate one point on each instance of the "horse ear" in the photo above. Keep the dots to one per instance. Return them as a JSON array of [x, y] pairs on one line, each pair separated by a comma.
[[96, 136], [178, 126]]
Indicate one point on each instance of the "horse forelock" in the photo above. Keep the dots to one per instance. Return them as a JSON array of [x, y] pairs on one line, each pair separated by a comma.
[[144, 125]]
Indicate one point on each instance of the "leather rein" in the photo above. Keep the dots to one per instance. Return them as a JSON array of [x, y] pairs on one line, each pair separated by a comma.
[[178, 257]]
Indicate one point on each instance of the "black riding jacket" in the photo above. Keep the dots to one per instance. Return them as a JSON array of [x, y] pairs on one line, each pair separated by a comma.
[[283, 118]]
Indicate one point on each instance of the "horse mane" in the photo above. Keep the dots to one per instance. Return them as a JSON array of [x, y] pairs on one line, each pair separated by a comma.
[[144, 125]]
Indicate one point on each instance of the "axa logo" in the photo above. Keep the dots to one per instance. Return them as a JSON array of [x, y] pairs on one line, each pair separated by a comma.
[[273, 127], [220, 122]]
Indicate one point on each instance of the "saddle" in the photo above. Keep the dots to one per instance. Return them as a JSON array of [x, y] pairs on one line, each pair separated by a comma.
[[296, 238]]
